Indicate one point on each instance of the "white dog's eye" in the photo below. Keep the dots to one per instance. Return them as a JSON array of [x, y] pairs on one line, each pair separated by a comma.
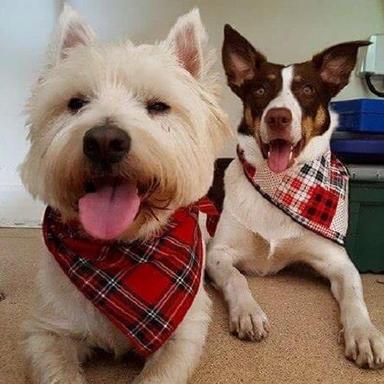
[[155, 107], [76, 103]]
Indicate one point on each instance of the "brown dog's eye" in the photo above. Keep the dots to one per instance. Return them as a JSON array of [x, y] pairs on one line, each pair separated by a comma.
[[76, 103], [308, 90], [155, 107], [260, 91]]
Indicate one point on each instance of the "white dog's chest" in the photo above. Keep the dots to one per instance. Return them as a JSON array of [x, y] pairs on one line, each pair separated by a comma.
[[73, 313]]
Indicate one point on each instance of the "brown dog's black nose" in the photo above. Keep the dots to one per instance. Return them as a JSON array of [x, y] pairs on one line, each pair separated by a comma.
[[106, 145], [278, 118]]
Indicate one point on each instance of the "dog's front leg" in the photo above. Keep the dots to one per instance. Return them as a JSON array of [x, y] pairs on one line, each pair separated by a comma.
[[175, 362], [53, 358], [232, 244], [364, 343]]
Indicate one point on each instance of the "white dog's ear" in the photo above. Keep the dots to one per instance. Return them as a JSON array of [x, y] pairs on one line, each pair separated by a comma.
[[72, 31], [188, 38]]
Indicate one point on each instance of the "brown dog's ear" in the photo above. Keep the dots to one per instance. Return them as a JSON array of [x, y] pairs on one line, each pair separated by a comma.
[[240, 59], [336, 63]]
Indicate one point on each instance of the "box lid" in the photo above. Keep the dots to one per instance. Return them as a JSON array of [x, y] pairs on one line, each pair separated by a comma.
[[366, 172], [359, 106]]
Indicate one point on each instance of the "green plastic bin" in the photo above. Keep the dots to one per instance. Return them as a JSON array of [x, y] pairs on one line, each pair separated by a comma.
[[365, 239]]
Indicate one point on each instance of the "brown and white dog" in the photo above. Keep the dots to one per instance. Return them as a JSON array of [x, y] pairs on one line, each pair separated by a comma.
[[286, 125]]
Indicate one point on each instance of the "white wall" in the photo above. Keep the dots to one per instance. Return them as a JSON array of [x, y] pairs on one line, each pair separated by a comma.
[[286, 31], [25, 28]]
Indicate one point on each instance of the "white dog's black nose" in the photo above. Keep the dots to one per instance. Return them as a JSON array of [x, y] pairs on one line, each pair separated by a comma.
[[106, 145]]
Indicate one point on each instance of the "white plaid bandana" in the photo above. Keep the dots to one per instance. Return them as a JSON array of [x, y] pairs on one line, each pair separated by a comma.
[[314, 195]]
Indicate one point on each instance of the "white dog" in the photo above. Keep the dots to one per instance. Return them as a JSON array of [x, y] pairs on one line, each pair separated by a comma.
[[123, 142], [285, 195]]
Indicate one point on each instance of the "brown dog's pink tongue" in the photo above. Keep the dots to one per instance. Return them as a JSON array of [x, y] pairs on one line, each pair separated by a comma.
[[108, 212], [279, 155]]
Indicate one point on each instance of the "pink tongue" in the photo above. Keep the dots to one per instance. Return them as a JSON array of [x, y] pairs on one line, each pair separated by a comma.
[[278, 157], [108, 212]]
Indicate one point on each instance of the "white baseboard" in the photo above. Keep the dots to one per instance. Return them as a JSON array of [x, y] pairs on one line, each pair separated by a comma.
[[18, 209]]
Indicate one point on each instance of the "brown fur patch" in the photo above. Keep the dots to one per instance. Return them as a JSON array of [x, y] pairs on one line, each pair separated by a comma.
[[314, 126], [254, 104], [248, 116], [250, 124], [307, 125], [320, 118], [314, 105], [256, 125]]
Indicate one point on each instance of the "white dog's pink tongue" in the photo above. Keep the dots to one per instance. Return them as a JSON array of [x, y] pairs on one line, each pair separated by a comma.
[[108, 212], [279, 155]]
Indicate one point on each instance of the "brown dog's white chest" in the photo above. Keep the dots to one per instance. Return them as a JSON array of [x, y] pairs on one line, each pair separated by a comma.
[[273, 232], [267, 258]]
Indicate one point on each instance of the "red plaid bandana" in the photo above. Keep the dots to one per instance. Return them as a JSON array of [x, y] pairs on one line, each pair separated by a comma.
[[315, 195], [213, 215], [144, 288]]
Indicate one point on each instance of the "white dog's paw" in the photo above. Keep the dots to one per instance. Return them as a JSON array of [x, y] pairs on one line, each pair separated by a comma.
[[248, 321], [364, 344]]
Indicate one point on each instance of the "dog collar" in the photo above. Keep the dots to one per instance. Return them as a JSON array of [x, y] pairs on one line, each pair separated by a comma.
[[314, 195], [144, 288]]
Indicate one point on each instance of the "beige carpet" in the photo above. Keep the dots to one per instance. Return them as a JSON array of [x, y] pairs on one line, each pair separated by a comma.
[[302, 347]]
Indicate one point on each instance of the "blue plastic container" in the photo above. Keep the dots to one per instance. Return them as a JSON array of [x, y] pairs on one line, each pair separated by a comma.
[[358, 148], [360, 115]]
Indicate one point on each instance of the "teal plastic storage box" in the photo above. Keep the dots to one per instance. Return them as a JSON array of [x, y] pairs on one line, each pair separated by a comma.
[[365, 239]]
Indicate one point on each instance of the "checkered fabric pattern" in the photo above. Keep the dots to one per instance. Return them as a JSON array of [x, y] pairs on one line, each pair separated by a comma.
[[144, 288], [314, 195]]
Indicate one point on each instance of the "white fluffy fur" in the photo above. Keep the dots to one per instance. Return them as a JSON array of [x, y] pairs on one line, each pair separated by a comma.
[[256, 237], [177, 149], [119, 80]]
